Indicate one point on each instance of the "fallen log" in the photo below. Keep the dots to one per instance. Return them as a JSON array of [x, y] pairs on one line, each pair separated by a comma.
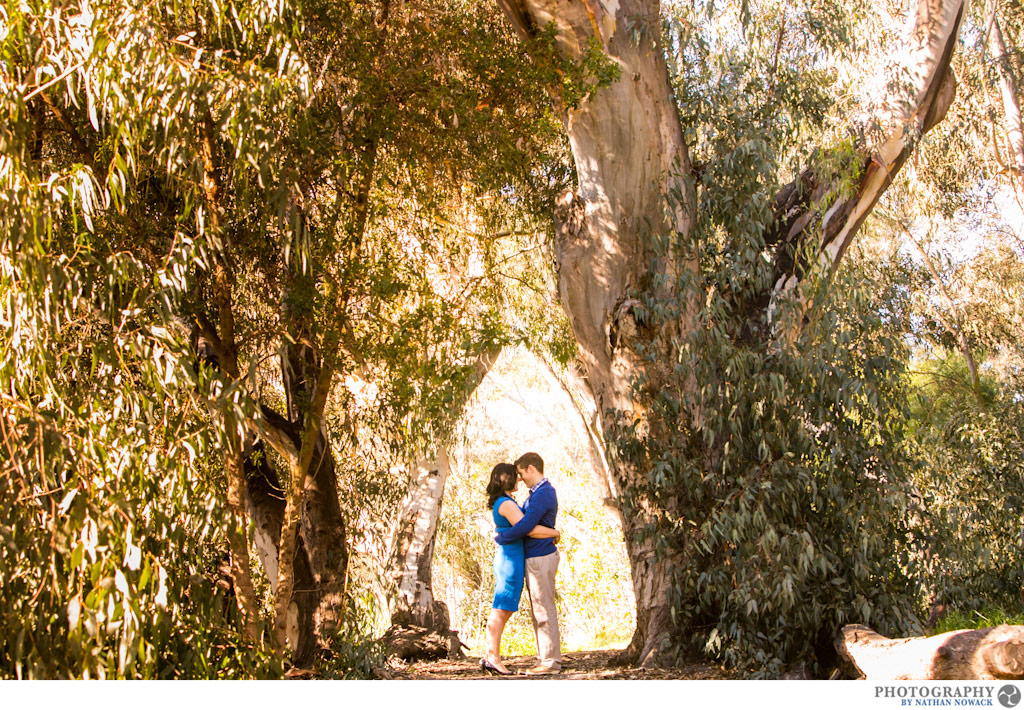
[[996, 652]]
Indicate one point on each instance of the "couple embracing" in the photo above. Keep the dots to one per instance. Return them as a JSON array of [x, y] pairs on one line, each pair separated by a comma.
[[526, 552]]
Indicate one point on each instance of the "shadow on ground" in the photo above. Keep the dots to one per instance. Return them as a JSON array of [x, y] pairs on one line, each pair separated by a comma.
[[582, 665]]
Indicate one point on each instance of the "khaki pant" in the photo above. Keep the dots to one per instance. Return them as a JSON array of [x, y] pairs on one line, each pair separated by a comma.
[[540, 581]]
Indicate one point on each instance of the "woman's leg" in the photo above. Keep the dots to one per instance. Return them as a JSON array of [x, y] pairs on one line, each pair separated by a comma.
[[495, 626]]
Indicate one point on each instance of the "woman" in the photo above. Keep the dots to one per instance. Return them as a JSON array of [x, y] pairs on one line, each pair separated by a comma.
[[509, 562]]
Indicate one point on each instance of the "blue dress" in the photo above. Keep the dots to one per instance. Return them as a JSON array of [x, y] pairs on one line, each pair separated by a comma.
[[509, 565]]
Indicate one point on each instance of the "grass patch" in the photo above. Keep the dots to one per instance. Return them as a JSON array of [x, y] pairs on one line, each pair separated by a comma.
[[977, 619]]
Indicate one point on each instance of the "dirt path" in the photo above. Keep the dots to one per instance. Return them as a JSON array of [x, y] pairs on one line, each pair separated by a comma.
[[580, 665]]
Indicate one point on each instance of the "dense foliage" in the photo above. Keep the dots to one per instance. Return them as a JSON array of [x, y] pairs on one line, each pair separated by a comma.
[[780, 473], [191, 192], [956, 215], [205, 206]]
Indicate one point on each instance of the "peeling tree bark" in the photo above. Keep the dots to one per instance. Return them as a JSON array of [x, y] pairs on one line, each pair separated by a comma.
[[917, 106], [633, 171], [265, 504], [413, 603], [412, 547]]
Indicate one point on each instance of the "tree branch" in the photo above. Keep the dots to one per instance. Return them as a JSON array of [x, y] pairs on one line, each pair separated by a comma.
[[926, 59], [77, 142], [274, 429]]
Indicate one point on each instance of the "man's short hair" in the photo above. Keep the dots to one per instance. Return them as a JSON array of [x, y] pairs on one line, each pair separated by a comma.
[[531, 459]]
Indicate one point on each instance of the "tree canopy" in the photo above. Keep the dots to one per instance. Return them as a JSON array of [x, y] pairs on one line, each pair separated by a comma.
[[251, 243]]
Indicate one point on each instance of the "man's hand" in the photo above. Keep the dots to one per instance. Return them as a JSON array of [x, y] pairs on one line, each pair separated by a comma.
[[558, 535]]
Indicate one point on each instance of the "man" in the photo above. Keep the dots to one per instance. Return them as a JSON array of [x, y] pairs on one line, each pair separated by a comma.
[[541, 561]]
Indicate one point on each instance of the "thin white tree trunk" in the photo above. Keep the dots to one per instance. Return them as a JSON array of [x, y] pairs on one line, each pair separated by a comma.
[[413, 546], [1008, 89]]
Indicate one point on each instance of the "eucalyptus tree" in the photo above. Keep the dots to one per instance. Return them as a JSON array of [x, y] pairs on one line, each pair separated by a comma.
[[982, 140], [956, 213], [961, 261], [750, 443], [98, 383], [966, 407], [215, 188]]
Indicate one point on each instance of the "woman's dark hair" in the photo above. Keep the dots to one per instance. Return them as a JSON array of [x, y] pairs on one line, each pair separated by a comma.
[[503, 479]]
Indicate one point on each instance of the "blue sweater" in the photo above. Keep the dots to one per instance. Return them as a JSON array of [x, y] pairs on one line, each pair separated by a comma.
[[540, 509]]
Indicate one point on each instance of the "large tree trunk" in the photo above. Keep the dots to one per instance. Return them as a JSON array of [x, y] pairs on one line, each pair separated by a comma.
[[322, 530], [320, 545], [312, 519], [634, 187], [319, 552], [630, 157]]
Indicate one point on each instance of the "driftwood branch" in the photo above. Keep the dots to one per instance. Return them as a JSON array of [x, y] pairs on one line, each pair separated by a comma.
[[992, 653]]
